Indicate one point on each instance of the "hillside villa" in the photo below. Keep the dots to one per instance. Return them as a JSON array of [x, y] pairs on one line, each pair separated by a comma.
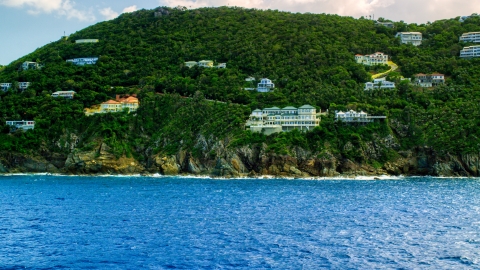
[[265, 85], [86, 41], [352, 116], [377, 58], [414, 38], [386, 24], [23, 125], [380, 83], [5, 86], [273, 120], [469, 52], [470, 37], [23, 85], [120, 103], [429, 80], [204, 64], [83, 61], [30, 65], [64, 94]]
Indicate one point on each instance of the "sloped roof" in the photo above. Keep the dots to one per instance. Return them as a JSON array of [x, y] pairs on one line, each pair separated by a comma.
[[306, 106], [111, 101], [289, 108], [272, 108]]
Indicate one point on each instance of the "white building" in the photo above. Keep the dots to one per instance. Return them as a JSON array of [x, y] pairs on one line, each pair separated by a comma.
[[190, 64], [5, 86], [272, 120], [83, 61], [86, 41], [265, 85], [64, 94], [429, 80], [250, 79], [222, 65], [379, 84], [377, 58], [24, 125], [414, 38], [352, 116], [30, 65], [470, 37], [23, 85], [469, 52]]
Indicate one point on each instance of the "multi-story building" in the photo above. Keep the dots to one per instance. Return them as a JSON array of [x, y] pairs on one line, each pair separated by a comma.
[[86, 41], [469, 52], [5, 86], [429, 80], [272, 120], [24, 125], [119, 104], [377, 58], [30, 65], [379, 84], [470, 37], [265, 85], [414, 38], [352, 116], [23, 85], [83, 61], [64, 94]]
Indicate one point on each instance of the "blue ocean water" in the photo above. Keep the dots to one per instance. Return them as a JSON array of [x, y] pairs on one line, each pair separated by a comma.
[[183, 223]]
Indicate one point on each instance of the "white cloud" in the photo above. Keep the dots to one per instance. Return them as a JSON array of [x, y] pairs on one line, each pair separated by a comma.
[[407, 10], [61, 7], [130, 9], [108, 13]]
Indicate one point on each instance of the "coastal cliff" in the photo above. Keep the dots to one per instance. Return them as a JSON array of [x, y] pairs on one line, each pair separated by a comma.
[[243, 162]]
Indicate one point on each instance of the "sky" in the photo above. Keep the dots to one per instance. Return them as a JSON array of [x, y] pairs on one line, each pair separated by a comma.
[[26, 25]]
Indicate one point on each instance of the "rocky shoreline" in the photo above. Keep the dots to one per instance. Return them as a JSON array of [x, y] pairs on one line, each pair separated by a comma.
[[251, 162]]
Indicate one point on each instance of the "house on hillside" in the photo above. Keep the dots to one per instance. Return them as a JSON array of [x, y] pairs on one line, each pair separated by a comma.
[[428, 80], [23, 125], [83, 61], [64, 94], [119, 104], [5, 86], [470, 52], [23, 85], [222, 65], [190, 64], [352, 116], [205, 63], [386, 24], [380, 83], [414, 38], [30, 65], [273, 120], [471, 37], [377, 58], [86, 41], [265, 85]]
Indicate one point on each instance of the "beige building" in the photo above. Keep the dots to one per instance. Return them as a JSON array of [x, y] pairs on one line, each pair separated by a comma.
[[272, 120]]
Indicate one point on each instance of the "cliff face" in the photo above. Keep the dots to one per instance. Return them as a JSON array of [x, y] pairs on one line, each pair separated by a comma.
[[219, 160]]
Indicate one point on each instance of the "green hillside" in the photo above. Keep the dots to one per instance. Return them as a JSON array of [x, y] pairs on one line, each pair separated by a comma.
[[310, 58]]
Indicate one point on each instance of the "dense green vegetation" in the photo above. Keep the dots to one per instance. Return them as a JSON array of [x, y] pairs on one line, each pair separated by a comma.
[[310, 57]]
